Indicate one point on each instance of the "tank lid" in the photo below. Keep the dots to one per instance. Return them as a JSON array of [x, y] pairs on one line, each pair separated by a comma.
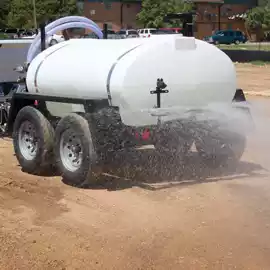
[[185, 43]]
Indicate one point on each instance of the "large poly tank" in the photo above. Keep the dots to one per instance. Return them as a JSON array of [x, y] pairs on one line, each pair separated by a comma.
[[125, 71]]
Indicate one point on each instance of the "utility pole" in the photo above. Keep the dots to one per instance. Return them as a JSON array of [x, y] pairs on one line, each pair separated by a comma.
[[34, 13]]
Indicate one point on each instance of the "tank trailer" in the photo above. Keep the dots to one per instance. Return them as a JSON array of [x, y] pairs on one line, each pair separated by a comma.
[[83, 99]]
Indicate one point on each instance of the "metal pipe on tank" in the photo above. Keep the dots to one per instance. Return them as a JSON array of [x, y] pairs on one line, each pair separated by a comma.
[[54, 24], [33, 50], [42, 36], [105, 31]]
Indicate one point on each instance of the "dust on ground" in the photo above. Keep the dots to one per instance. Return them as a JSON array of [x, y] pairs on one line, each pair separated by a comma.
[[254, 79], [200, 220], [140, 218]]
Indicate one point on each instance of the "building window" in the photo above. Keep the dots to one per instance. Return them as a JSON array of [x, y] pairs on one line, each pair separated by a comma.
[[110, 26], [80, 5], [92, 12], [108, 5]]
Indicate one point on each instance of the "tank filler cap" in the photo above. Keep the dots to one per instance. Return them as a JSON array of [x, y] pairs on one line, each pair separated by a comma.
[[185, 43]]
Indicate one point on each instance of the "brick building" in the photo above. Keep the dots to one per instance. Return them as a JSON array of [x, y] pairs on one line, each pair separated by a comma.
[[215, 15], [212, 15], [116, 13]]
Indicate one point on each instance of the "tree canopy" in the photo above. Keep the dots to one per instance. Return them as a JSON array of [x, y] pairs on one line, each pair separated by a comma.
[[20, 13], [258, 18], [153, 11], [4, 10], [263, 3]]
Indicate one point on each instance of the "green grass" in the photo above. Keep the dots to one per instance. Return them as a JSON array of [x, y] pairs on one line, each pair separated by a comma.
[[260, 63], [255, 63], [255, 47], [3, 36]]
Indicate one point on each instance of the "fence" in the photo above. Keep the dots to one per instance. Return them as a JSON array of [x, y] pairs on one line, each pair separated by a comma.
[[244, 56]]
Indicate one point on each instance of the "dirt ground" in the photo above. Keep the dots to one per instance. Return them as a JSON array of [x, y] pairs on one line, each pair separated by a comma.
[[254, 79], [142, 218]]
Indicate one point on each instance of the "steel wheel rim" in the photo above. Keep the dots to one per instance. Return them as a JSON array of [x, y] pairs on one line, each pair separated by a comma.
[[71, 151], [28, 143]]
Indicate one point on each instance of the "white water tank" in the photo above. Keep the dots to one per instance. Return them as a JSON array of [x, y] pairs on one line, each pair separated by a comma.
[[126, 70]]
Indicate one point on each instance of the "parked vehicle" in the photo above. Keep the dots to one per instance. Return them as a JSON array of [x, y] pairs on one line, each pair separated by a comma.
[[54, 39], [163, 32], [129, 33], [50, 40], [28, 34], [109, 32], [176, 30], [90, 35], [226, 37], [147, 32], [12, 32], [110, 35], [20, 32]]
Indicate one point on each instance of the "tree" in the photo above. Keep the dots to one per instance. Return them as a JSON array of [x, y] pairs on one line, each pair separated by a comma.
[[258, 18], [154, 11], [4, 10], [263, 3], [21, 11], [20, 14]]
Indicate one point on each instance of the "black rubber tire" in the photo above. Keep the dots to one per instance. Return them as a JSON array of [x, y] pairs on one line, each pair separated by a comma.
[[225, 151], [78, 126], [45, 134]]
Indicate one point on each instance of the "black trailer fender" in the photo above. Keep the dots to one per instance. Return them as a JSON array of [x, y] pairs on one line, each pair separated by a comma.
[[22, 99], [15, 106]]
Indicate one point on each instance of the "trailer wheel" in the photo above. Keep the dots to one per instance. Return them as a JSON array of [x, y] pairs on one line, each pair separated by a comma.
[[33, 138], [74, 149], [224, 151]]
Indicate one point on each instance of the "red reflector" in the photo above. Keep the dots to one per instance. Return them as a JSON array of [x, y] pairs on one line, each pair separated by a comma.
[[137, 135], [36, 103], [146, 135]]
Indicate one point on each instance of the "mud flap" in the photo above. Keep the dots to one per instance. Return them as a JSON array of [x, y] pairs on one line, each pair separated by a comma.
[[239, 96], [240, 103]]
